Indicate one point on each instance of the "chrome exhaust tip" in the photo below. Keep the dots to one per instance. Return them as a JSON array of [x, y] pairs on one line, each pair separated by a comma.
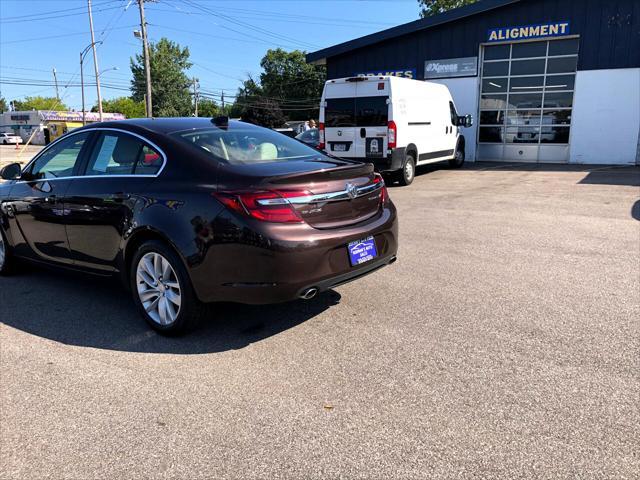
[[309, 293]]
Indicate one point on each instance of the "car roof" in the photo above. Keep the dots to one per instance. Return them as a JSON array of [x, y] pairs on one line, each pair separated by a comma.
[[166, 125]]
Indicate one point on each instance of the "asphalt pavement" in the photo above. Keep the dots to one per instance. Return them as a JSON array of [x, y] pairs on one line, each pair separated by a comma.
[[504, 343]]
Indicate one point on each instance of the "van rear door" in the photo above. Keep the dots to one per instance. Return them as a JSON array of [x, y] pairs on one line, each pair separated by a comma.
[[355, 116], [372, 117]]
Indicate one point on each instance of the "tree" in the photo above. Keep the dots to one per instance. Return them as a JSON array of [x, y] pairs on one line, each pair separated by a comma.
[[39, 103], [287, 81], [249, 93], [208, 108], [264, 112], [125, 105], [293, 83], [169, 83], [3, 105], [429, 8]]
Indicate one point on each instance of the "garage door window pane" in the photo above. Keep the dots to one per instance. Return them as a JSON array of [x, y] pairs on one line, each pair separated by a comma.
[[556, 117], [494, 85], [492, 117], [523, 117], [495, 69], [490, 134], [562, 64], [525, 100], [527, 67], [525, 50], [564, 47], [493, 102], [554, 135], [560, 82], [558, 99], [526, 84], [522, 135], [497, 52]]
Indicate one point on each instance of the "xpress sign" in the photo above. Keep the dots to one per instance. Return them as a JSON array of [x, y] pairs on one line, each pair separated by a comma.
[[502, 34]]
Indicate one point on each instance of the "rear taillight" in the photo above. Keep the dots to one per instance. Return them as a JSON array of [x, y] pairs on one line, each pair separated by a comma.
[[392, 134], [321, 136], [267, 206], [384, 194]]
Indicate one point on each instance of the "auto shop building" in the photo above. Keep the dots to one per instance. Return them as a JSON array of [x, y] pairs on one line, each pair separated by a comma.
[[554, 81]]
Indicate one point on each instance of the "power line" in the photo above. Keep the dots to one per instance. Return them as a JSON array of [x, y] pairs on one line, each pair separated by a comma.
[[27, 18], [33, 39], [246, 25]]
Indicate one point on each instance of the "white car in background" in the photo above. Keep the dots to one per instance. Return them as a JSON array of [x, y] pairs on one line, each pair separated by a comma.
[[9, 138]]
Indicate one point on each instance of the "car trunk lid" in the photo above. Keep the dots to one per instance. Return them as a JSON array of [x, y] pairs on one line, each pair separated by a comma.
[[325, 192]]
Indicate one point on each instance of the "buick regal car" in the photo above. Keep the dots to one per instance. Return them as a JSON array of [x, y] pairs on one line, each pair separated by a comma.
[[189, 211]]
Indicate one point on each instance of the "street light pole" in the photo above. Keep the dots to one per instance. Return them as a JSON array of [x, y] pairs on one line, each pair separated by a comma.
[[84, 120], [82, 55], [95, 61]]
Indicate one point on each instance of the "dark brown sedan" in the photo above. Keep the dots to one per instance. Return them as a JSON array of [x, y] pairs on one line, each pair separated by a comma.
[[189, 211]]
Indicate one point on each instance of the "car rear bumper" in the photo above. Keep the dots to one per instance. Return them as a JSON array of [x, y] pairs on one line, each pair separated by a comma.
[[255, 269]]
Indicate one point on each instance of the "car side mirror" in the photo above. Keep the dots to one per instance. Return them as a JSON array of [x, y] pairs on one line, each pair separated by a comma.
[[465, 121], [11, 171]]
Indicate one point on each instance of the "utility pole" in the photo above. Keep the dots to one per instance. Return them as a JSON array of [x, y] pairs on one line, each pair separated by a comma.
[[95, 61], [147, 64], [55, 80], [195, 94], [222, 101]]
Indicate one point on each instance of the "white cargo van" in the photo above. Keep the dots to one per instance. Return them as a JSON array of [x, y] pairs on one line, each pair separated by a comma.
[[395, 123]]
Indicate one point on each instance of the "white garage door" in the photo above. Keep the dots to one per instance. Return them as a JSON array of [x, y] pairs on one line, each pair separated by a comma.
[[526, 99]]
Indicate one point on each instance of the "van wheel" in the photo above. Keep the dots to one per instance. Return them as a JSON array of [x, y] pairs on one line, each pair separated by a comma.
[[408, 172], [458, 160]]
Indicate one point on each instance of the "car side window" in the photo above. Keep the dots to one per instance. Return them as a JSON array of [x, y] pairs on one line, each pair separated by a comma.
[[118, 153], [454, 114], [59, 160]]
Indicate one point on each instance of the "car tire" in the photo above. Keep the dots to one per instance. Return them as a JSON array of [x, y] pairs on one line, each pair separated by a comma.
[[164, 295], [7, 261], [408, 172], [4, 142], [458, 159]]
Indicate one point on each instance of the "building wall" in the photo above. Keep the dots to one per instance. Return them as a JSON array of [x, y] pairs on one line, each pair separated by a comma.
[[608, 31], [606, 117]]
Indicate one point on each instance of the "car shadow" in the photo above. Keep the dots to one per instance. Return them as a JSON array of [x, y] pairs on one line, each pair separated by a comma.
[[617, 175], [420, 171], [85, 311]]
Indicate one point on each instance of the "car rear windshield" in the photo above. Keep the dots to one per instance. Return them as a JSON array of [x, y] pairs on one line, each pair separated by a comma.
[[241, 145], [356, 112]]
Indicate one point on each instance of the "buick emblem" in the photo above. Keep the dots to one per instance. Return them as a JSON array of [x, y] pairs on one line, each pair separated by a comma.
[[339, 133], [352, 190]]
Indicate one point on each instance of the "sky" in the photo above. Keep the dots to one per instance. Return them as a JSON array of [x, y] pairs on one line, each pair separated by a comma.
[[226, 38]]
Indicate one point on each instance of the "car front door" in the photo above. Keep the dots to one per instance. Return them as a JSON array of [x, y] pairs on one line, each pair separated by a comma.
[[36, 201], [101, 202]]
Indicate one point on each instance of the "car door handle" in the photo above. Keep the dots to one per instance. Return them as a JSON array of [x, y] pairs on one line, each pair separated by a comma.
[[119, 197], [51, 199]]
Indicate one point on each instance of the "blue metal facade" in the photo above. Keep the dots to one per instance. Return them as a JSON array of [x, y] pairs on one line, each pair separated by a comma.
[[609, 35]]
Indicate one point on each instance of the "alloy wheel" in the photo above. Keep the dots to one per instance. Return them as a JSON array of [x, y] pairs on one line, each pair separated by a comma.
[[158, 288]]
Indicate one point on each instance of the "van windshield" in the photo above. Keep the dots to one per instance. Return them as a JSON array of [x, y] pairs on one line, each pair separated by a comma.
[[356, 112]]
